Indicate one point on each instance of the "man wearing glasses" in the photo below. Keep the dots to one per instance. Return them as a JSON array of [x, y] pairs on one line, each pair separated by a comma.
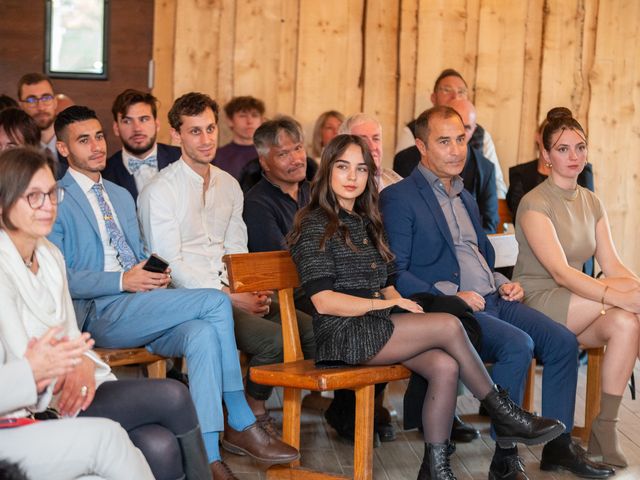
[[36, 96], [449, 86]]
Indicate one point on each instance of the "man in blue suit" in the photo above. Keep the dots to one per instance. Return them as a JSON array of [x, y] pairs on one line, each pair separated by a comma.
[[135, 123], [123, 305], [434, 230]]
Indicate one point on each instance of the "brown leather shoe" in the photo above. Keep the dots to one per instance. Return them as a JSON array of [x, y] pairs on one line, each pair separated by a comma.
[[268, 424], [221, 471], [257, 443]]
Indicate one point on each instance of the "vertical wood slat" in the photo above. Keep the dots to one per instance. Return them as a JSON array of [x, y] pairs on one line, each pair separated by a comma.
[[380, 67], [614, 121], [329, 59], [164, 33], [407, 64], [561, 75], [196, 47], [530, 86], [500, 73]]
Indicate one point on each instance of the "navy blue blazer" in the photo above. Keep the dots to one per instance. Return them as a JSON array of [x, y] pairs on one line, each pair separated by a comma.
[[420, 238], [116, 172], [478, 175]]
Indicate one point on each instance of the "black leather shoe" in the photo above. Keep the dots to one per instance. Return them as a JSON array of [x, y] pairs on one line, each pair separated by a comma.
[[463, 432], [573, 458], [509, 468], [512, 424], [435, 464], [344, 426], [382, 423]]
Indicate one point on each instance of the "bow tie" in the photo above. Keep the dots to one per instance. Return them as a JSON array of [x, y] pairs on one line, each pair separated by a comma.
[[135, 164]]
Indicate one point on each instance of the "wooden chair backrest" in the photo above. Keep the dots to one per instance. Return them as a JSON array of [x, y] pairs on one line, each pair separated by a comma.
[[250, 272]]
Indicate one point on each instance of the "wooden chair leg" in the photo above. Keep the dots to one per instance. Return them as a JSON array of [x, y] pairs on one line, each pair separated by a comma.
[[592, 396], [157, 369], [529, 387], [594, 386], [363, 449], [291, 406]]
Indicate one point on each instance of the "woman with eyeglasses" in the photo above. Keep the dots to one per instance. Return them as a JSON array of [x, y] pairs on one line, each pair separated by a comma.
[[158, 415], [559, 225], [346, 267]]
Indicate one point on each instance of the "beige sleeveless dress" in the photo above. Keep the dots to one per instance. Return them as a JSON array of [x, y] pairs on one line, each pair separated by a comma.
[[574, 214]]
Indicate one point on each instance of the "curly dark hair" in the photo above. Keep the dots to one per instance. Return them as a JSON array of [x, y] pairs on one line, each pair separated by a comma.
[[323, 198], [190, 105], [129, 97]]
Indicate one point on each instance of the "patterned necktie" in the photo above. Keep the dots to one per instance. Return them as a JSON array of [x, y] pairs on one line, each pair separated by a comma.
[[126, 256], [135, 164]]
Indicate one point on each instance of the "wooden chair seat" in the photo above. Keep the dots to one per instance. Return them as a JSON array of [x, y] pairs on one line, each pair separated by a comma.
[[121, 357], [303, 374], [276, 271]]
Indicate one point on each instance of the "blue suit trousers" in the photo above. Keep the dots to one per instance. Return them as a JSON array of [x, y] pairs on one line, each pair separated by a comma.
[[511, 334], [194, 323]]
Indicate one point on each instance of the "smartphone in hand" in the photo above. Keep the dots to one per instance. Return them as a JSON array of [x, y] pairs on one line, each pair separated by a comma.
[[156, 264]]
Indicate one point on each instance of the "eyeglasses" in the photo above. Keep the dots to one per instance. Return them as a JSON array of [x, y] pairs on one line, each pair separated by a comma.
[[36, 199], [32, 102], [460, 92]]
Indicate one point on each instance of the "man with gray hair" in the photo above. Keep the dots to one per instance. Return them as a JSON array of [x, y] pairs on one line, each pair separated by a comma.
[[270, 137], [370, 129]]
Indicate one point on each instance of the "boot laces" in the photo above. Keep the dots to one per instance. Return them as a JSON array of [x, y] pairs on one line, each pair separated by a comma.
[[514, 410], [442, 466]]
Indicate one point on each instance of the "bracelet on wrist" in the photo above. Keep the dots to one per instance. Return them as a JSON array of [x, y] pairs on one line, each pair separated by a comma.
[[603, 311]]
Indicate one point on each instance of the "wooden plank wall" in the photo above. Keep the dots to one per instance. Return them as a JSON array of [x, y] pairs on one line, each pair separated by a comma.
[[303, 57]]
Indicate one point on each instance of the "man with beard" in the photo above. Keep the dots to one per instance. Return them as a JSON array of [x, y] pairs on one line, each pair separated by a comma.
[[135, 123], [36, 96]]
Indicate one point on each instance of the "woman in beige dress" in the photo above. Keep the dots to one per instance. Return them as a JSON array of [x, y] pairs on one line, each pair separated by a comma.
[[558, 227]]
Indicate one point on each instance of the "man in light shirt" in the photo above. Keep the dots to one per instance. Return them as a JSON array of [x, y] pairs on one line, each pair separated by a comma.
[[191, 214], [135, 123]]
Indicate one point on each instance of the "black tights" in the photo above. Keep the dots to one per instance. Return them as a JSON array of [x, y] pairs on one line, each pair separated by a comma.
[[153, 412], [436, 347]]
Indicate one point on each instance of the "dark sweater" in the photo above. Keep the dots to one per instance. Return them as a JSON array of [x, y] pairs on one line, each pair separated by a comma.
[[362, 273]]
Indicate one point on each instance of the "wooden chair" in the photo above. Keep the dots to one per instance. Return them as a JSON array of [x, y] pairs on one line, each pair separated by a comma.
[[120, 357], [504, 213], [275, 271], [592, 397]]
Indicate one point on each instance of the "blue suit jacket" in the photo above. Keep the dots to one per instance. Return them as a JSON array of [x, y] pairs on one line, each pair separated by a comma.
[[118, 174], [76, 234], [420, 238]]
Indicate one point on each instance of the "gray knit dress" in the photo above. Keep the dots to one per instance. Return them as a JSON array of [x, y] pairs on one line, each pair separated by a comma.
[[362, 273]]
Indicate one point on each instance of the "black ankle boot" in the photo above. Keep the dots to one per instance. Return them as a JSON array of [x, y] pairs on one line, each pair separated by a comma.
[[194, 455], [512, 424], [435, 464]]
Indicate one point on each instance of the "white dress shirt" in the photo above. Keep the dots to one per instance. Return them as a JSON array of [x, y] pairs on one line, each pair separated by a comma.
[[191, 231], [146, 172]]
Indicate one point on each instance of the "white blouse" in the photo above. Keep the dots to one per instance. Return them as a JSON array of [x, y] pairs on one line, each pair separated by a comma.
[[30, 304]]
